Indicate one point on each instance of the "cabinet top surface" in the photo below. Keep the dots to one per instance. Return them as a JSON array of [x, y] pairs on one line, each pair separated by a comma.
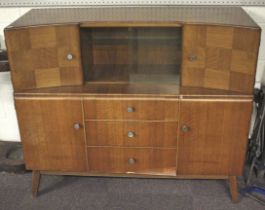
[[231, 16]]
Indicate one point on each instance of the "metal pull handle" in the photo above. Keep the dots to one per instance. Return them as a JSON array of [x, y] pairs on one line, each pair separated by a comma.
[[130, 109], [131, 160], [193, 58], [131, 134], [185, 128], [77, 126], [69, 57]]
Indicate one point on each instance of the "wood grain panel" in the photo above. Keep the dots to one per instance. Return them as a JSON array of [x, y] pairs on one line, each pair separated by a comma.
[[43, 37], [246, 39], [49, 139], [244, 62], [145, 134], [218, 59], [218, 36], [142, 109], [217, 139], [147, 161], [210, 79], [47, 77], [227, 52], [194, 42], [39, 53], [241, 82]]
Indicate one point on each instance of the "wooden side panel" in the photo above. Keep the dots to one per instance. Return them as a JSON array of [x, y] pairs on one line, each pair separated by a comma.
[[129, 160], [220, 57], [217, 139], [49, 139], [131, 133], [141, 109], [38, 56]]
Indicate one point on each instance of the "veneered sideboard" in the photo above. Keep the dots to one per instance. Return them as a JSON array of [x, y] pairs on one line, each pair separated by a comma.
[[134, 91]]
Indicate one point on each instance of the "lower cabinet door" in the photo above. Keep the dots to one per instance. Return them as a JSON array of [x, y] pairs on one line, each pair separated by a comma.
[[147, 161], [52, 134], [213, 136]]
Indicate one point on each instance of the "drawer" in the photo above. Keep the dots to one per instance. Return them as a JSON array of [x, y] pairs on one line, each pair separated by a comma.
[[128, 160], [131, 109], [131, 133]]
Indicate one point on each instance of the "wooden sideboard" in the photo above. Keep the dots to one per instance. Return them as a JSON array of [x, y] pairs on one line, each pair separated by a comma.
[[137, 92]]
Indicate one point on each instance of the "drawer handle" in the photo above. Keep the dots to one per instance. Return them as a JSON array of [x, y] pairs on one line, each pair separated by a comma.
[[185, 128], [131, 161], [77, 126], [131, 134], [69, 57], [130, 109]]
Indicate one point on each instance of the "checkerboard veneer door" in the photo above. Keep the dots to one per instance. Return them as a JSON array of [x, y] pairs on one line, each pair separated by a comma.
[[220, 57], [45, 56]]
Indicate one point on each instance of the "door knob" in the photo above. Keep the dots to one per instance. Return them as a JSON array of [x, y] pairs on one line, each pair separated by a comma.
[[131, 134], [185, 128], [193, 58], [130, 109], [69, 57], [77, 126], [131, 160]]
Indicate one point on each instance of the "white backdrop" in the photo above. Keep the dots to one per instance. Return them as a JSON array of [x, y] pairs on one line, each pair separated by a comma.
[[32, 3]]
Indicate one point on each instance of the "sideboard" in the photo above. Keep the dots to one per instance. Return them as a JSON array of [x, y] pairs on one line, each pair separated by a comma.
[[134, 91]]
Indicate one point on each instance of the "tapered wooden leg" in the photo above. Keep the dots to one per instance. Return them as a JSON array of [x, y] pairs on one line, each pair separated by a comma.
[[233, 188], [35, 182]]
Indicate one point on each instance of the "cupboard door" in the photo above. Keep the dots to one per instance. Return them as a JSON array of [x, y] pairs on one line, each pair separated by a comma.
[[213, 137], [52, 134], [219, 57], [44, 56]]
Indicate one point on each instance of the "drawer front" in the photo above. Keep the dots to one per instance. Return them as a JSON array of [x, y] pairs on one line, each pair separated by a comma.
[[131, 133], [131, 109], [127, 160]]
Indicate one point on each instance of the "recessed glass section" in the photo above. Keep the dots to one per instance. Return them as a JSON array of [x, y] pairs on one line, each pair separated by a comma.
[[132, 55]]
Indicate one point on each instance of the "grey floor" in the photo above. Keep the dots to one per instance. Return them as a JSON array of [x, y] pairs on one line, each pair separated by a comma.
[[90, 193]]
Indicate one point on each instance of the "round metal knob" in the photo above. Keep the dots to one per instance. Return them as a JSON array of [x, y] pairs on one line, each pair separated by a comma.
[[69, 57], [185, 128], [193, 58], [131, 134], [131, 161], [77, 126], [130, 109]]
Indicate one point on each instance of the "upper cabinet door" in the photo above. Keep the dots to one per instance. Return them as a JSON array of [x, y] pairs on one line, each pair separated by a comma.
[[44, 56], [52, 134], [213, 137], [220, 57]]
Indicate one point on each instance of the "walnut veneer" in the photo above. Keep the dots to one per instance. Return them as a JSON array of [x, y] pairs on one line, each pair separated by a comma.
[[150, 91]]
